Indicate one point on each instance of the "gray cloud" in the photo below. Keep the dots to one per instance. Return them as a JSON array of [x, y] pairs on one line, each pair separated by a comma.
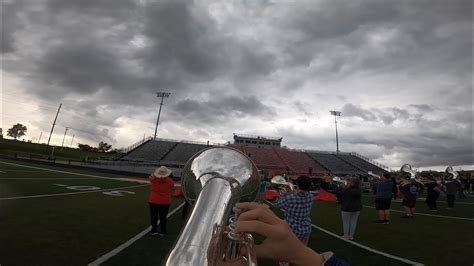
[[400, 71], [221, 108], [351, 110]]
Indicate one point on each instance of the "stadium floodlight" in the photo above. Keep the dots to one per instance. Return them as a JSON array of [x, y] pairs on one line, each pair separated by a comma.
[[161, 95], [336, 114]]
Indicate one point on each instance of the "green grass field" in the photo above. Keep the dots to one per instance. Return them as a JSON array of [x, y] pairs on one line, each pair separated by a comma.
[[12, 148], [58, 218]]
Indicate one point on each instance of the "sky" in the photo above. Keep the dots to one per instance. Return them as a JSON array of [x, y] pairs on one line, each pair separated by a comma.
[[400, 71]]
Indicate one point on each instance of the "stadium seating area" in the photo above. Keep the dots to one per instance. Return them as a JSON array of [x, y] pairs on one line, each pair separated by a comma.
[[182, 152], [263, 157], [299, 162], [334, 164], [152, 150], [361, 163], [292, 161]]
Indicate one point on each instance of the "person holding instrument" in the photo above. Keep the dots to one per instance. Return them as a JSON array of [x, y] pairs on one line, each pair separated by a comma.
[[280, 244]]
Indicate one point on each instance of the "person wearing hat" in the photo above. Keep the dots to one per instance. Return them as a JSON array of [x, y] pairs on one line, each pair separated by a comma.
[[161, 189]]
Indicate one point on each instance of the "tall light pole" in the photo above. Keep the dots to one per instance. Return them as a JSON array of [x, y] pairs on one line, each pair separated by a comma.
[[54, 123], [336, 114], [64, 137], [72, 140], [162, 95]]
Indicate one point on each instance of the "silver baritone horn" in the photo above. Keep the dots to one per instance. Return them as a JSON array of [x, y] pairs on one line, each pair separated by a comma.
[[406, 168], [339, 180], [451, 173], [374, 175], [281, 184], [214, 180]]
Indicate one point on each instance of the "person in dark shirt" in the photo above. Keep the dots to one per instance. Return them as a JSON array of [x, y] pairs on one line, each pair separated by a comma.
[[432, 193], [450, 188], [383, 187], [351, 205], [409, 190]]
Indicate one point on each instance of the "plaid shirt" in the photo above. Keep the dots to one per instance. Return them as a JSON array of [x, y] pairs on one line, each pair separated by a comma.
[[297, 207]]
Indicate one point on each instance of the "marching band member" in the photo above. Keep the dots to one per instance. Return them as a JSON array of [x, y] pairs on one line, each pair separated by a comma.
[[280, 242], [351, 205], [383, 197], [161, 186], [432, 193], [297, 208], [410, 191]]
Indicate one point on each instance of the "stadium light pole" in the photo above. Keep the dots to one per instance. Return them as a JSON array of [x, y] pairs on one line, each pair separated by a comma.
[[64, 137], [162, 95], [70, 145], [336, 114]]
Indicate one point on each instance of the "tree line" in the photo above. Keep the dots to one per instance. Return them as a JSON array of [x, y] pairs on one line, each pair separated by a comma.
[[19, 130]]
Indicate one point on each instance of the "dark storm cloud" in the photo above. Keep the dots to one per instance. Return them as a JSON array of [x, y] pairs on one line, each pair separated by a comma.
[[222, 108], [350, 110], [10, 23], [106, 59], [381, 35]]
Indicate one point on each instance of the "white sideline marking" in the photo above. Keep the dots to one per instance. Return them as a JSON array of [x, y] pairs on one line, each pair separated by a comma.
[[422, 199], [70, 193], [45, 178], [72, 173], [123, 246], [368, 248], [3, 172], [363, 246], [432, 215], [97, 176]]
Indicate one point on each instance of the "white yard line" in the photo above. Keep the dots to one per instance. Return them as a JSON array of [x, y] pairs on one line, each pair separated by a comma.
[[70, 193], [407, 261], [431, 215], [422, 199], [79, 174], [363, 246], [126, 244], [47, 178]]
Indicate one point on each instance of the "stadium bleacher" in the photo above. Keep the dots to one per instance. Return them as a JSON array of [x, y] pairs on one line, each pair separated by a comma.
[[361, 163], [152, 150], [295, 162], [335, 164], [182, 152], [299, 162], [263, 157]]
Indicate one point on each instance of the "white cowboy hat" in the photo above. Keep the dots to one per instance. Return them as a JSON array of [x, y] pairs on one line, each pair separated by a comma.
[[161, 172]]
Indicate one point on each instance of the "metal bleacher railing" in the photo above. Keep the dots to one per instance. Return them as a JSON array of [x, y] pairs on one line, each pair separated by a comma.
[[193, 142], [371, 161], [136, 144]]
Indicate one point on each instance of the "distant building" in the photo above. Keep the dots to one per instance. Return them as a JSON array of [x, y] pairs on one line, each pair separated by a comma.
[[259, 141]]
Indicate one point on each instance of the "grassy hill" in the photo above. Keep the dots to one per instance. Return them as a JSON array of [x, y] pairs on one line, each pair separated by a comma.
[[42, 151]]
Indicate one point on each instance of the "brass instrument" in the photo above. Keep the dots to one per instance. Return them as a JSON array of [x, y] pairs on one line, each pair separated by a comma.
[[451, 174], [282, 185], [214, 180], [339, 180], [406, 168], [374, 175]]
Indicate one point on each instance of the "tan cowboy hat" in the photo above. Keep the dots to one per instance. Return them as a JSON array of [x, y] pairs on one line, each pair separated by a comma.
[[161, 172]]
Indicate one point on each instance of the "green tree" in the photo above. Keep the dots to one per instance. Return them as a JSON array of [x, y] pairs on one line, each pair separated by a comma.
[[104, 147], [17, 131], [85, 147]]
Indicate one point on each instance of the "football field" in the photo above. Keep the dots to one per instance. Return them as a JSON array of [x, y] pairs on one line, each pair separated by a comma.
[[61, 216]]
